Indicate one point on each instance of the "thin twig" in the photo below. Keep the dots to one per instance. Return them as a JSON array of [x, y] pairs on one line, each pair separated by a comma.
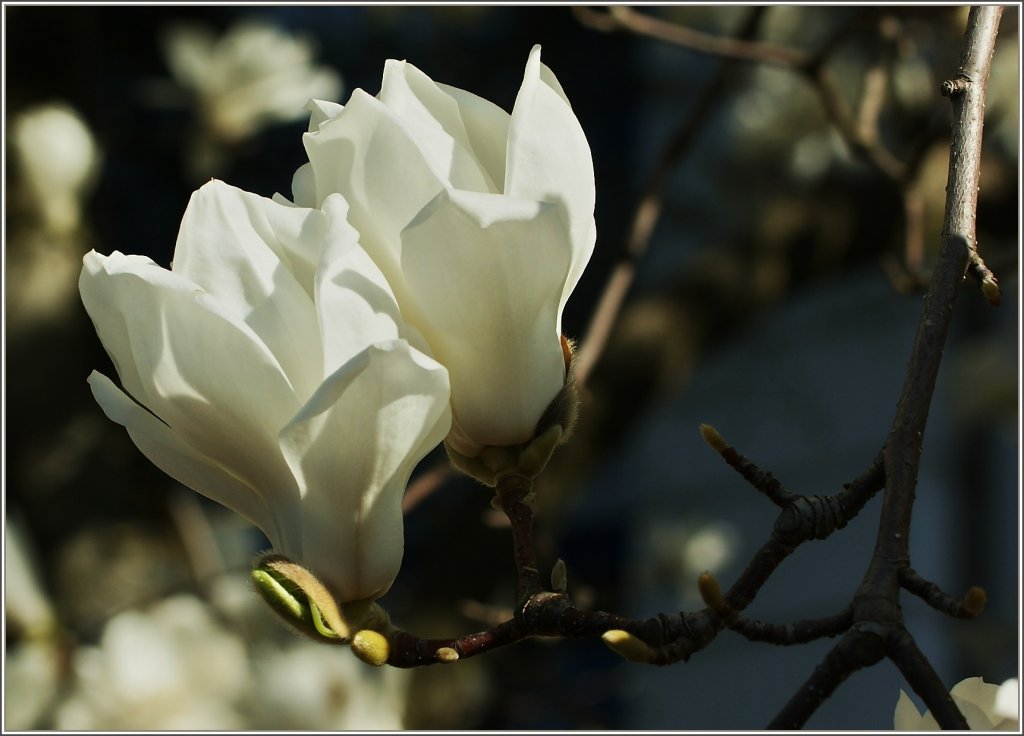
[[648, 211]]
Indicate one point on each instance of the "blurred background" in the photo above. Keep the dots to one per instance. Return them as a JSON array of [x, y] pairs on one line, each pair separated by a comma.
[[776, 297]]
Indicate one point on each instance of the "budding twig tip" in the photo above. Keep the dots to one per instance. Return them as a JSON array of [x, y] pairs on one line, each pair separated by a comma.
[[713, 438], [559, 577], [990, 288], [975, 600]]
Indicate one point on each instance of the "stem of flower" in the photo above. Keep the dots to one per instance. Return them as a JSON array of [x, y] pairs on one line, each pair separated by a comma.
[[513, 493]]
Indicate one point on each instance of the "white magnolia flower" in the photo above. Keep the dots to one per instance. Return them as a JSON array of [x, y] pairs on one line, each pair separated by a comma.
[[269, 370], [482, 222], [172, 667], [986, 707], [57, 160], [253, 75]]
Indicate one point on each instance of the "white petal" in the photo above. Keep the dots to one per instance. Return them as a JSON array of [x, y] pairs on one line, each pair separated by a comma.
[[365, 155], [907, 717], [432, 118], [486, 272], [355, 303], [1007, 699], [976, 699], [549, 159], [353, 447], [205, 375], [250, 254], [189, 51], [184, 463], [321, 111], [304, 186], [486, 126]]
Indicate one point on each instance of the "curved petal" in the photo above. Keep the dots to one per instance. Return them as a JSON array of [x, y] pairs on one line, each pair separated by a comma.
[[365, 155], [486, 127], [303, 187], [354, 301], [353, 447], [321, 111], [181, 461], [907, 717], [432, 118], [486, 272], [205, 375], [232, 245], [549, 160]]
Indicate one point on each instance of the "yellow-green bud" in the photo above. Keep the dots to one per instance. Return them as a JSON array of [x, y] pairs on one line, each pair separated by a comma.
[[628, 646], [975, 600], [713, 438], [371, 646], [299, 598]]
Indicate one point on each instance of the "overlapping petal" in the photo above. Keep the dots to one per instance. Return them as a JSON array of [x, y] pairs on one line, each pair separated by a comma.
[[549, 159], [365, 428], [366, 155], [270, 371], [256, 259], [513, 257], [169, 452], [482, 222]]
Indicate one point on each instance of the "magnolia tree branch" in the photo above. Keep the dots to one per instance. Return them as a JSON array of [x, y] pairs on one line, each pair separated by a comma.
[[878, 618], [648, 210], [857, 127], [871, 628]]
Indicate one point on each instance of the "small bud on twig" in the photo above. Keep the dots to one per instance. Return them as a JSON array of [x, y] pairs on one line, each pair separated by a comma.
[[371, 646], [628, 646], [713, 438], [953, 87], [559, 578], [446, 655], [975, 600], [711, 593]]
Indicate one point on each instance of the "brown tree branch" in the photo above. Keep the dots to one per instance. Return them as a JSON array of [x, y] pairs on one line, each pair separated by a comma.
[[648, 210], [872, 626], [876, 607]]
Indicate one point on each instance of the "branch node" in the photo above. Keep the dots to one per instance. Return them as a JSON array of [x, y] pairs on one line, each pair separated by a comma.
[[955, 86]]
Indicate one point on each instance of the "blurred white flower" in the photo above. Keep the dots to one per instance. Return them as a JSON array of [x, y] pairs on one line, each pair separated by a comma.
[[307, 686], [270, 370], [26, 606], [171, 668], [482, 222], [57, 161], [32, 661], [986, 707], [674, 552], [254, 75]]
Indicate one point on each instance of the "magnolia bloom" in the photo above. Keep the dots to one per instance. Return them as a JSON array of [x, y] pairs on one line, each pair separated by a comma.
[[270, 370], [482, 223], [253, 75], [58, 159], [986, 707]]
